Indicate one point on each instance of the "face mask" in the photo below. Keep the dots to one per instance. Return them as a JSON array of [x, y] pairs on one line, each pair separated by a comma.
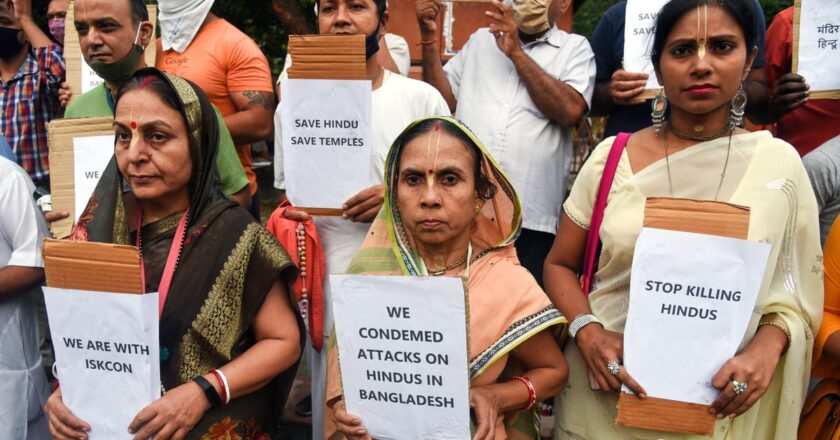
[[9, 43], [372, 44], [531, 15], [56, 26], [121, 70]]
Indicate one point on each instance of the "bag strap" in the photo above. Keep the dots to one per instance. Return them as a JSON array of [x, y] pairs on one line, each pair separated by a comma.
[[592, 236]]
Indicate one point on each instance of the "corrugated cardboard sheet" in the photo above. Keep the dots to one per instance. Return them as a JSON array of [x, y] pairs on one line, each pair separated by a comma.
[[327, 56], [73, 51], [60, 140], [702, 217], [100, 267]]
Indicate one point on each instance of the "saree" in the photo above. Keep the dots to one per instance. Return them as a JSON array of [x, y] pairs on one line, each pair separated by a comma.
[[506, 306], [764, 174], [227, 265]]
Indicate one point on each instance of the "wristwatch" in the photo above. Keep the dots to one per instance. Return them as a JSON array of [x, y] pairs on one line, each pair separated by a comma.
[[582, 321]]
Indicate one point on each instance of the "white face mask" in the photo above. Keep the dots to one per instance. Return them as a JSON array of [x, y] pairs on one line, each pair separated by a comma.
[[180, 21], [531, 15]]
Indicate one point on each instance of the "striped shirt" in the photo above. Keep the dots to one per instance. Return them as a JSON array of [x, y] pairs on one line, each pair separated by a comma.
[[28, 102]]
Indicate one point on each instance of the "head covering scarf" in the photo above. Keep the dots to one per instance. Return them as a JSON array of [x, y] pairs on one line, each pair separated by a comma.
[[227, 265], [180, 21], [506, 305]]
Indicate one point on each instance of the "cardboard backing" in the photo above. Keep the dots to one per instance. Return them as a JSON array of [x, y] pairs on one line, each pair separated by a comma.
[[327, 57], [60, 134], [100, 267], [702, 217], [73, 51]]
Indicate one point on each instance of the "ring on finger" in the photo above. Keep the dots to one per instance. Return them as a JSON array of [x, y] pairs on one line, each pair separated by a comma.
[[613, 367], [739, 387]]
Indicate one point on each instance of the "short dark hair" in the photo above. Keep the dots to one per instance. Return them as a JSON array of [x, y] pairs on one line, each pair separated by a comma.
[[139, 13], [485, 188], [381, 7], [743, 11]]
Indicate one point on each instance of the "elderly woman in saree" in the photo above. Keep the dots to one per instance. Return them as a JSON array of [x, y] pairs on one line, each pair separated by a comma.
[[450, 211], [230, 338], [702, 52]]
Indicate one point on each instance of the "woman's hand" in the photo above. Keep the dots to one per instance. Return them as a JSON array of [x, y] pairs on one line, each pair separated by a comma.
[[598, 347], [485, 405], [173, 415], [364, 206], [755, 366], [63, 424], [347, 424]]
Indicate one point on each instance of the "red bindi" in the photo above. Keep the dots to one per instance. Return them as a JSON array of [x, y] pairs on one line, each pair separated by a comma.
[[431, 171], [133, 124]]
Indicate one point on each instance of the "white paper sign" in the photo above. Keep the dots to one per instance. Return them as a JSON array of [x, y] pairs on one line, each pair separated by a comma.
[[639, 23], [326, 140], [90, 79], [106, 355], [91, 155], [402, 342], [819, 51], [691, 297]]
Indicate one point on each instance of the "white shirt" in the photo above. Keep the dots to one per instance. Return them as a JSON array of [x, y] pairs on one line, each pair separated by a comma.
[[23, 384], [398, 102], [533, 151], [398, 49]]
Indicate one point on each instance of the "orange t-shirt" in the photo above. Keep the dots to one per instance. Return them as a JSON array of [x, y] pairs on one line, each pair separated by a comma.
[[221, 59], [824, 366]]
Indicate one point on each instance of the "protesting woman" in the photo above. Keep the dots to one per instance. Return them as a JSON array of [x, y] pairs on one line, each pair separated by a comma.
[[229, 336], [450, 211], [702, 51]]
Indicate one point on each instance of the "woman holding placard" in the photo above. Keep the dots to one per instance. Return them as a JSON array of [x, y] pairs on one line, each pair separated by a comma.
[[702, 52], [230, 338], [450, 211]]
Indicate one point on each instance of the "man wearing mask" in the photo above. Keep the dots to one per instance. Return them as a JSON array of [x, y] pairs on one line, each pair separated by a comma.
[[197, 45], [113, 35], [56, 13], [521, 85], [31, 71], [396, 102]]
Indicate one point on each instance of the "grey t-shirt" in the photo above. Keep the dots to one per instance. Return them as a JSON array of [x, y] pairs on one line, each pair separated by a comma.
[[823, 166]]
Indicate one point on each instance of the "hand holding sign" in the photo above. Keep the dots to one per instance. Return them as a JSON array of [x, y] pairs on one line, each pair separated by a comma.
[[754, 366], [625, 87], [598, 347]]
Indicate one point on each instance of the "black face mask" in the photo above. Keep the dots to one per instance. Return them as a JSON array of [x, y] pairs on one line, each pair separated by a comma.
[[372, 43], [9, 43]]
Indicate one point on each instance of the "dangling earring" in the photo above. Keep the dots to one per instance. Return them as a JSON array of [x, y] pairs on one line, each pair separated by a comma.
[[478, 206], [736, 112], [658, 107]]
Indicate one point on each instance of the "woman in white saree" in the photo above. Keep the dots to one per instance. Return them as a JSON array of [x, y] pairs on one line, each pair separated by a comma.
[[702, 52]]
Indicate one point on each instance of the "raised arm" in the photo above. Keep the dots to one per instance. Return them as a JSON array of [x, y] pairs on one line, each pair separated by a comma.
[[555, 99], [427, 17], [23, 13]]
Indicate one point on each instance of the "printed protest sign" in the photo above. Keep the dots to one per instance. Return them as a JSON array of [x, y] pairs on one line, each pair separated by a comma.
[[106, 355], [639, 22], [402, 345], [91, 155], [816, 55], [691, 298], [326, 140]]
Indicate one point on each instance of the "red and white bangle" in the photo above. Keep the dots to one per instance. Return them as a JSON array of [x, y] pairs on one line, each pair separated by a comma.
[[225, 387], [532, 393]]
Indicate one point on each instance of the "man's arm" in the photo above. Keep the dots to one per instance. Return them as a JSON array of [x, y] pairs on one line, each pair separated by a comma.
[[23, 13], [252, 120], [556, 100], [427, 15], [15, 280]]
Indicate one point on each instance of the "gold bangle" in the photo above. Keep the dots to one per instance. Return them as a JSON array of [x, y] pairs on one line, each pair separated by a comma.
[[776, 321]]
